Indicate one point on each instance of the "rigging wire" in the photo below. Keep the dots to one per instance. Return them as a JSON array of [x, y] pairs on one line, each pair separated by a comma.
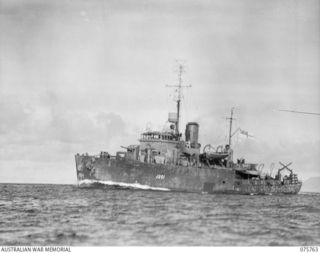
[[311, 113]]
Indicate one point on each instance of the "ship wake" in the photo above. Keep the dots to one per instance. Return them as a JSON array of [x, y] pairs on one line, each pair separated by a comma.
[[90, 182]]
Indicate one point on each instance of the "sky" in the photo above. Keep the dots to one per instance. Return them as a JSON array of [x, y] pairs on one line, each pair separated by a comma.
[[86, 76]]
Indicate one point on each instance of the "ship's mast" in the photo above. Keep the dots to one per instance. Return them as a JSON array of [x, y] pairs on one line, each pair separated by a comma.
[[230, 126], [179, 97]]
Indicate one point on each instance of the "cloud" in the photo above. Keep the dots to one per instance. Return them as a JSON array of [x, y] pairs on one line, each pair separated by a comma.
[[81, 76], [43, 139], [11, 116]]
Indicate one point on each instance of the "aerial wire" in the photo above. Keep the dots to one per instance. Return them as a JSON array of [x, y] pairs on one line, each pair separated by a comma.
[[311, 113]]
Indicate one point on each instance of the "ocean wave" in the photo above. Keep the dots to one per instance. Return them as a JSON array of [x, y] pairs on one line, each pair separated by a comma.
[[67, 215], [123, 185]]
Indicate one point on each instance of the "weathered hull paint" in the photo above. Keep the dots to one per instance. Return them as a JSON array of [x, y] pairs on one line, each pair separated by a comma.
[[124, 172]]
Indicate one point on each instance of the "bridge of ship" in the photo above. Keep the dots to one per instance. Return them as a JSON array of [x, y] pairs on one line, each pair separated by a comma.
[[156, 136], [163, 148]]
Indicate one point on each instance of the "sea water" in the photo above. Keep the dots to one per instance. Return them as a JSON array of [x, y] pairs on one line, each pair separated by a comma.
[[103, 215]]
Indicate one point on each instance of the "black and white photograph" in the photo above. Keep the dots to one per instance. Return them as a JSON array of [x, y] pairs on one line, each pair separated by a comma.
[[159, 123]]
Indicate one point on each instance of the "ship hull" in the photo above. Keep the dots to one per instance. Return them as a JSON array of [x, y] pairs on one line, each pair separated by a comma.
[[131, 173]]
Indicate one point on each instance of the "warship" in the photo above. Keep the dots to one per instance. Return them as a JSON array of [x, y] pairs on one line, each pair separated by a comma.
[[168, 161]]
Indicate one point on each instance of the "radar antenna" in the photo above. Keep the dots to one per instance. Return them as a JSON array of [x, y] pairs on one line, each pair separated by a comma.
[[179, 97]]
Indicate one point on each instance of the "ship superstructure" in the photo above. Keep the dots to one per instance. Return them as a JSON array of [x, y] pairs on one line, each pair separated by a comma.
[[164, 160]]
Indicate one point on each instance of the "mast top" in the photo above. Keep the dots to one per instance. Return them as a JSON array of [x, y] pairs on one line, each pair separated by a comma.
[[179, 91], [179, 86]]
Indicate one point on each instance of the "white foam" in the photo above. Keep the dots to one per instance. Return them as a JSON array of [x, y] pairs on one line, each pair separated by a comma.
[[135, 185]]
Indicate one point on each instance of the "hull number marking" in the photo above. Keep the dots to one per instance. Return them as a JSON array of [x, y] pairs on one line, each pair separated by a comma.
[[159, 176]]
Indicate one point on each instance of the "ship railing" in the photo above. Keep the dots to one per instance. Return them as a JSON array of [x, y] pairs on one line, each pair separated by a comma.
[[101, 155]]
